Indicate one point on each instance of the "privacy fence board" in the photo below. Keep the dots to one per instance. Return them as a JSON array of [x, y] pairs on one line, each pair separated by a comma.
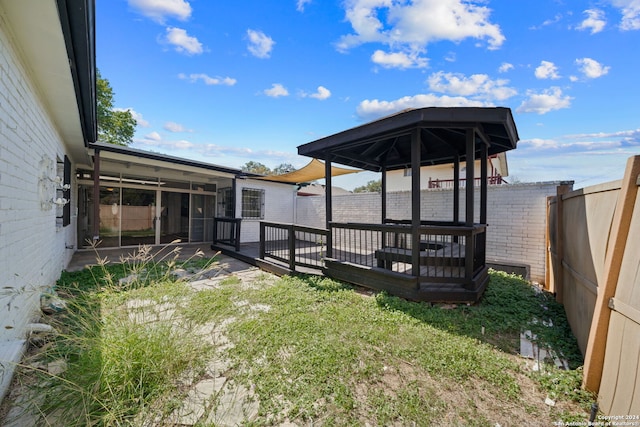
[[620, 385], [587, 216], [594, 238]]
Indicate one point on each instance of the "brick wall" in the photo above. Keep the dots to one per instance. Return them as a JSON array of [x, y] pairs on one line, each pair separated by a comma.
[[279, 206], [32, 246], [516, 216]]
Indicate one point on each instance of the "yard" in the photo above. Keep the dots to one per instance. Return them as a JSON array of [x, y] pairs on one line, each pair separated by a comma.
[[244, 347]]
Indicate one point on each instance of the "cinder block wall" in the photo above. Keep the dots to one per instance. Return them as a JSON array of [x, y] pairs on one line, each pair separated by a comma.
[[516, 216], [32, 246]]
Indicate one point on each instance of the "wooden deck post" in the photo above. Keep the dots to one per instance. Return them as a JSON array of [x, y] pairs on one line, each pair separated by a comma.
[[456, 189], [263, 236], [96, 195], [384, 194], [415, 201], [292, 247], [597, 343], [328, 205], [469, 208]]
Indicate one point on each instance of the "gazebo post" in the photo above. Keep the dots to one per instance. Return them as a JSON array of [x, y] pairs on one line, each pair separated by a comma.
[[384, 193], [484, 154], [328, 205], [415, 202], [469, 211], [456, 189]]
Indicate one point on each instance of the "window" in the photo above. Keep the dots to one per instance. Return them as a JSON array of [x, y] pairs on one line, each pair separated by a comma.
[[407, 171], [252, 203]]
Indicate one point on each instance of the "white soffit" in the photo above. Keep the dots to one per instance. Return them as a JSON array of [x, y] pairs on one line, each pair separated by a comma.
[[38, 37]]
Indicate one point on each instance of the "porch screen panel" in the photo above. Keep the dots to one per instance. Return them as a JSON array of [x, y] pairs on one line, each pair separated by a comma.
[[202, 210]]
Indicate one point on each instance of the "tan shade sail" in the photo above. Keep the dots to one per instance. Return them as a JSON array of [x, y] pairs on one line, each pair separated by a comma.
[[314, 170]]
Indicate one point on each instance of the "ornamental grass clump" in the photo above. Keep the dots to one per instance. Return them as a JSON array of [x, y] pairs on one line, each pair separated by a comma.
[[124, 345]]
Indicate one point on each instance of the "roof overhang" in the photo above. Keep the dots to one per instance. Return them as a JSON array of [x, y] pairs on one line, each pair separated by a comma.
[[56, 43], [386, 143], [126, 160]]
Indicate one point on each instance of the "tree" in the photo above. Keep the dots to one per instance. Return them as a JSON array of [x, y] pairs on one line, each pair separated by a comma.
[[283, 168], [259, 168], [114, 127], [370, 187], [256, 167]]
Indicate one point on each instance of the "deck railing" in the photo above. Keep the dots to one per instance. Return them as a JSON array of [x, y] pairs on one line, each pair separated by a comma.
[[227, 231], [448, 183], [448, 253], [294, 245]]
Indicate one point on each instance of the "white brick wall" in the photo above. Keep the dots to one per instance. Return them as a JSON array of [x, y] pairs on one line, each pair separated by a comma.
[[516, 215], [32, 248], [279, 206]]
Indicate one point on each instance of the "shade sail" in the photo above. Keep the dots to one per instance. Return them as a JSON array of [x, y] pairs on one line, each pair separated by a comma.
[[312, 171]]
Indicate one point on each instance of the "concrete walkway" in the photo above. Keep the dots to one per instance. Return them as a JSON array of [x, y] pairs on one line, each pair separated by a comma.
[[86, 257], [212, 400]]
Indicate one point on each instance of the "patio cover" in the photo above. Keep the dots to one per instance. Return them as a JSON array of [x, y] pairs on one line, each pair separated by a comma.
[[315, 169]]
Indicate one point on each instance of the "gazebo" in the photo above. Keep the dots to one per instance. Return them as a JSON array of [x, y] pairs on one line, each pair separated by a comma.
[[410, 257]]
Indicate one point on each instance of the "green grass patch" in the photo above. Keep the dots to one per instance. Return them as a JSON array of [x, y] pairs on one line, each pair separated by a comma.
[[314, 350]]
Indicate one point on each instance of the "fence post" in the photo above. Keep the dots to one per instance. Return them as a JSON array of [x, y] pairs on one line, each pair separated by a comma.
[[292, 248], [558, 273], [597, 343]]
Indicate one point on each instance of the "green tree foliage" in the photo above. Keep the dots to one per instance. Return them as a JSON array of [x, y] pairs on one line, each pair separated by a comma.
[[259, 168], [283, 168], [256, 167], [114, 127], [370, 187]]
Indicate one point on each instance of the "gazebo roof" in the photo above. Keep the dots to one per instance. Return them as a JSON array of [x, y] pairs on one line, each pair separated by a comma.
[[387, 142]]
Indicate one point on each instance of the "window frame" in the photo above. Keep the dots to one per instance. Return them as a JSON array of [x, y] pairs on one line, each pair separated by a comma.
[[256, 196]]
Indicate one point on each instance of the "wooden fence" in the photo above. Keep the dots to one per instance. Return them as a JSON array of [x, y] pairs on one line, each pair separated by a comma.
[[594, 259]]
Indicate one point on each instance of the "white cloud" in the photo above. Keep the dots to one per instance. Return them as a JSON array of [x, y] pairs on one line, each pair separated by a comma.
[[415, 24], [211, 81], [538, 144], [276, 91], [301, 4], [504, 67], [630, 10], [371, 109], [140, 121], [153, 136], [183, 42], [398, 59], [595, 21], [322, 93], [175, 127], [541, 103], [477, 85], [591, 68], [160, 10], [260, 44], [547, 70]]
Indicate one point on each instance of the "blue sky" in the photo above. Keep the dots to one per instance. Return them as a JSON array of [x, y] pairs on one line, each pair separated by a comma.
[[227, 82]]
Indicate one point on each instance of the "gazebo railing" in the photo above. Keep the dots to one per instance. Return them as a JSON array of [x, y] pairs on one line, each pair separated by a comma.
[[447, 254], [294, 245]]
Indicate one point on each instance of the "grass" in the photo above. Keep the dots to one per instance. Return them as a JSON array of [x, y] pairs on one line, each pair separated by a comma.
[[313, 350]]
